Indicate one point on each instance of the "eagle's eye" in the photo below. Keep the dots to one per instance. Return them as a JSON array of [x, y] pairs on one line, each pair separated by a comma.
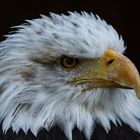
[[68, 62]]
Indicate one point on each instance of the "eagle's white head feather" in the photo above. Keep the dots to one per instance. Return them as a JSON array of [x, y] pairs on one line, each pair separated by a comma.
[[35, 91]]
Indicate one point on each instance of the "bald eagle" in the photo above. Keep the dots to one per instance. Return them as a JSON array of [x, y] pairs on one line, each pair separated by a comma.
[[65, 77]]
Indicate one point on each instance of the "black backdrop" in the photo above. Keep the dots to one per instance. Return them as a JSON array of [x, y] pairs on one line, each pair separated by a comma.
[[122, 14]]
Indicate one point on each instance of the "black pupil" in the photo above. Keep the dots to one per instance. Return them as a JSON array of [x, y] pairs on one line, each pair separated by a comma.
[[70, 61]]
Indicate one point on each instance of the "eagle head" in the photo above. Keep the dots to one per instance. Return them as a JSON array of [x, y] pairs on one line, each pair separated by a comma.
[[67, 70]]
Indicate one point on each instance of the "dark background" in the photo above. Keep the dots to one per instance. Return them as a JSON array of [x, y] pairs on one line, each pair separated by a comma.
[[122, 14]]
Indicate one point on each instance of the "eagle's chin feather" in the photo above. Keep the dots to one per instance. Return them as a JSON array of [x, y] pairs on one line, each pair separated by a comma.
[[81, 110]]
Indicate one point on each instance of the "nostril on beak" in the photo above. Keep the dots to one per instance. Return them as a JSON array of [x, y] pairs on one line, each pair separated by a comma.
[[110, 61]]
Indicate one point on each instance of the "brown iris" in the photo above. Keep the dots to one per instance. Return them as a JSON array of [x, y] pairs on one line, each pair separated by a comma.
[[68, 62]]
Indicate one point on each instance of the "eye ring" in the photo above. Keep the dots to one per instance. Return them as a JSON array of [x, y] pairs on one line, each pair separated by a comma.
[[68, 62]]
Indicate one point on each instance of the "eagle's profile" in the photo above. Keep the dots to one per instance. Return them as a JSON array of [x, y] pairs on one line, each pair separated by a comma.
[[65, 75]]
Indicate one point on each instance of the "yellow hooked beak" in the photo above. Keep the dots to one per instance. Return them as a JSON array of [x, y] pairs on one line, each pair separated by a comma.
[[111, 70]]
